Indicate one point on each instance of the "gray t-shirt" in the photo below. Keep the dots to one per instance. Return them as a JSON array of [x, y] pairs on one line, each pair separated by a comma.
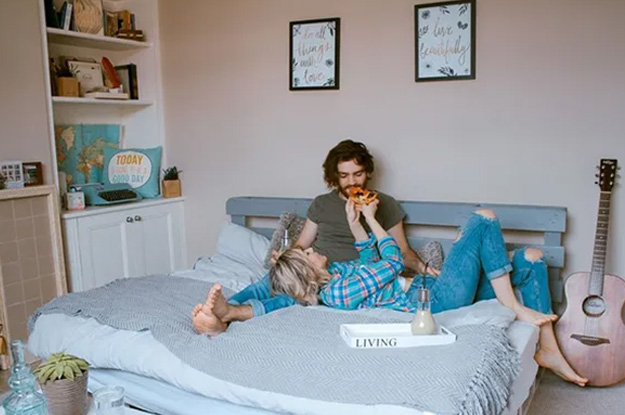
[[334, 238]]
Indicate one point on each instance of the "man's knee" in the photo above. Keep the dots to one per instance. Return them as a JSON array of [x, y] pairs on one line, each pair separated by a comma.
[[487, 213], [533, 254]]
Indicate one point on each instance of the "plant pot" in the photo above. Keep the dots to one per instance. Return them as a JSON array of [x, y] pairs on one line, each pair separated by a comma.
[[171, 188], [67, 396]]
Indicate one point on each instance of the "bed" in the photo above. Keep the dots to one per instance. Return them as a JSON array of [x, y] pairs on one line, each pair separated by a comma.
[[158, 381]]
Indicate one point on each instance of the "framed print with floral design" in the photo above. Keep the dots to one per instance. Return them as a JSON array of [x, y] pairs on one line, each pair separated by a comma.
[[445, 41], [314, 54]]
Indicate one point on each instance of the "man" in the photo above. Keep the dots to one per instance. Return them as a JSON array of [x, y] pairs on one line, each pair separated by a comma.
[[347, 165], [327, 231]]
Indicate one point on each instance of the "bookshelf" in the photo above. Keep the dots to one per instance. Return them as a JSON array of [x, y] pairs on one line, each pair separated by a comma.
[[132, 239], [141, 119]]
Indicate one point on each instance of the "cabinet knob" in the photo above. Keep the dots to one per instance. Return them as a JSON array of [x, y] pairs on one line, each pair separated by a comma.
[[138, 218], [129, 219]]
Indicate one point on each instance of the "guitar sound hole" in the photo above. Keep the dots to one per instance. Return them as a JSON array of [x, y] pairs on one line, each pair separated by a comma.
[[594, 306]]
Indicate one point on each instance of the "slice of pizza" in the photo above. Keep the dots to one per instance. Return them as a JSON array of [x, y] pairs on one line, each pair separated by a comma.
[[362, 196]]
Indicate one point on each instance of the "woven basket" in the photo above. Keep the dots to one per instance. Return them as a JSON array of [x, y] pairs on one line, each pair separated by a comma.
[[66, 396]]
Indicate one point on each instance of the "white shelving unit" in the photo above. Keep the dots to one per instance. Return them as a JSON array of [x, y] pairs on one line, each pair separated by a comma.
[[133, 239], [142, 119]]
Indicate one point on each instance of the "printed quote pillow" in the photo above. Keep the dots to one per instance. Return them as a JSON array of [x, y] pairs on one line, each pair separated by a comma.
[[138, 167]]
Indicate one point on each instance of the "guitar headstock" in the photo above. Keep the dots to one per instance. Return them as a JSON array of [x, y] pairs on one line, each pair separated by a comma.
[[607, 174]]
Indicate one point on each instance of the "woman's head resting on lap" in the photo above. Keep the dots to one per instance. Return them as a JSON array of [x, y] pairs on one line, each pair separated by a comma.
[[299, 274]]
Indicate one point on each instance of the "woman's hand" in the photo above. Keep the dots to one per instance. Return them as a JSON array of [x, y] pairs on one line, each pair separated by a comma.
[[353, 215], [368, 211]]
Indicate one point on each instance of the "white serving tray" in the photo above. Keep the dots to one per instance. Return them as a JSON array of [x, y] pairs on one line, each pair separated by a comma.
[[376, 336]]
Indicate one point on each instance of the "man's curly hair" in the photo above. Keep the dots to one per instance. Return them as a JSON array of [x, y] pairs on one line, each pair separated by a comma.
[[346, 150]]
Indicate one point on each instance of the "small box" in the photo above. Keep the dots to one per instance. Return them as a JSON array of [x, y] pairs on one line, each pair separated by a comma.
[[68, 87], [388, 336], [75, 200]]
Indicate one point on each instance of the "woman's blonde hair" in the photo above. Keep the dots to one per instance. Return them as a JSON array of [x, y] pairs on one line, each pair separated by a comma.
[[296, 276]]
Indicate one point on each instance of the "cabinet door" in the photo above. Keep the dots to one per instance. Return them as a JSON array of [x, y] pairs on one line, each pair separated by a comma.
[[159, 235], [106, 248]]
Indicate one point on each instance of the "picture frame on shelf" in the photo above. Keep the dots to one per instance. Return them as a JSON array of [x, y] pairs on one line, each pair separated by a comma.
[[33, 173], [445, 41], [88, 74], [314, 54]]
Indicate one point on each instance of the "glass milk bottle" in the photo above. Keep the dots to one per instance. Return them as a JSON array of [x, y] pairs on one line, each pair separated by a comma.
[[285, 242], [423, 322], [25, 398]]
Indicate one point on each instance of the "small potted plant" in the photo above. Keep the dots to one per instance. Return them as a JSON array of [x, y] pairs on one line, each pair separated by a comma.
[[63, 379], [2, 180], [171, 182]]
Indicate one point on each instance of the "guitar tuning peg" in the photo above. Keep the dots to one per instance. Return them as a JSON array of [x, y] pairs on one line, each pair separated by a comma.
[[596, 174], [596, 182]]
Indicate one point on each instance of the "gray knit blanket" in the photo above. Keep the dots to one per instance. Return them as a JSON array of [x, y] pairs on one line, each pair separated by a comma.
[[298, 350]]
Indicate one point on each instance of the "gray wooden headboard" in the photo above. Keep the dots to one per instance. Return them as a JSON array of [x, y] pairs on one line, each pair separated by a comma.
[[548, 221]]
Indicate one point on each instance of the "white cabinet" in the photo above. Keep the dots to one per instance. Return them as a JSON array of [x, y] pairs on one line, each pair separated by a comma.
[[104, 244]]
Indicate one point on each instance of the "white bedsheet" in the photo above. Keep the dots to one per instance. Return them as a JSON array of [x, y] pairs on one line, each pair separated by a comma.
[[164, 381]]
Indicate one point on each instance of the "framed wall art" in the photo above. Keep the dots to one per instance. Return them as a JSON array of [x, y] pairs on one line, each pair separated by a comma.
[[445, 41], [314, 54], [33, 173]]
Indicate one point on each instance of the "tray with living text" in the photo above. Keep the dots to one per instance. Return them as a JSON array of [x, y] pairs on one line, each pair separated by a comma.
[[376, 336]]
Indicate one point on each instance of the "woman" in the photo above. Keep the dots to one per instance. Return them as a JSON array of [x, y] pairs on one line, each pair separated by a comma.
[[306, 277]]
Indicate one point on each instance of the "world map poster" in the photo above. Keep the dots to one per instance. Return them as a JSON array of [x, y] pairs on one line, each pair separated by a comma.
[[80, 150]]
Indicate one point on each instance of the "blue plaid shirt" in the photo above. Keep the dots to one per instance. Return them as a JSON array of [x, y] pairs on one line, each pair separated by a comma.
[[369, 281]]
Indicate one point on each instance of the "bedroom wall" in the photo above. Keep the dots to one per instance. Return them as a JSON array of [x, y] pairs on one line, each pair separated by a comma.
[[23, 112], [546, 105]]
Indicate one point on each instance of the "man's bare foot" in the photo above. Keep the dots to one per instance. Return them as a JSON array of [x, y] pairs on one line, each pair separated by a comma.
[[204, 319], [553, 359], [219, 306], [532, 316]]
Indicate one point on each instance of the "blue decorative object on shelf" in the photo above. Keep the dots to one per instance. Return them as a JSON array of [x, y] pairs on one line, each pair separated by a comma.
[[25, 398]]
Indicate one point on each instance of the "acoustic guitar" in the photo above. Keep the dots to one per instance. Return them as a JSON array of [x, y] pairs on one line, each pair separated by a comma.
[[591, 332]]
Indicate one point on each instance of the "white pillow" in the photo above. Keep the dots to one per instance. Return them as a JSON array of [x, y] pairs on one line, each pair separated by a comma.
[[242, 245]]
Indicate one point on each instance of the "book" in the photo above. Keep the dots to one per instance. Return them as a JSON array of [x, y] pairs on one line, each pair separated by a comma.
[[128, 77], [52, 18], [67, 19]]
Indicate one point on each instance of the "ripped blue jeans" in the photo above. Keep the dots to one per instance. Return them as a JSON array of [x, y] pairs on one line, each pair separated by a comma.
[[477, 257]]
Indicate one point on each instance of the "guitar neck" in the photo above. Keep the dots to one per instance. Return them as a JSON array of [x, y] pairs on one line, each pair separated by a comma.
[[601, 244]]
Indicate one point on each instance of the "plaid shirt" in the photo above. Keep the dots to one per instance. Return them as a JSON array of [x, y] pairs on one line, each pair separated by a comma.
[[369, 281]]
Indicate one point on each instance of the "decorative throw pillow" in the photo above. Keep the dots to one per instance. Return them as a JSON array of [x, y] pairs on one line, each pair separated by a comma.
[[432, 252], [139, 168], [291, 222]]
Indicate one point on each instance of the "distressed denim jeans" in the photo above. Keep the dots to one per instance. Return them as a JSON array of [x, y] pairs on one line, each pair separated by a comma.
[[258, 296], [478, 256]]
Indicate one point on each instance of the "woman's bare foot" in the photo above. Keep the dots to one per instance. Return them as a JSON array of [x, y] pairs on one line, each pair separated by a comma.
[[532, 316], [553, 359]]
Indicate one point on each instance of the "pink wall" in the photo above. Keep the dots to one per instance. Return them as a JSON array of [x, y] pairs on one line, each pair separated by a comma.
[[546, 105], [23, 112]]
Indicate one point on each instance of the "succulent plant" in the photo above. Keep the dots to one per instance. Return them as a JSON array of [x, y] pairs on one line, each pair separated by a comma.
[[171, 173], [61, 366]]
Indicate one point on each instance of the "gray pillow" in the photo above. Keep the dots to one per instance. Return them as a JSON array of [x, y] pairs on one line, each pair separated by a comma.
[[432, 252]]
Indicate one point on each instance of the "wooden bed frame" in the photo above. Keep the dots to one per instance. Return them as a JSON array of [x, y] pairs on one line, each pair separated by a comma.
[[549, 222]]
